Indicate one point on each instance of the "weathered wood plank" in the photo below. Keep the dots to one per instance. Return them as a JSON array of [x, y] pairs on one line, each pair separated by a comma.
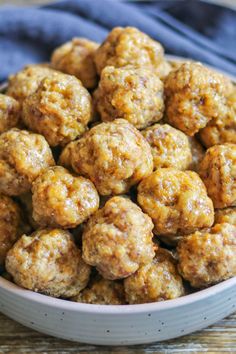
[[220, 338]]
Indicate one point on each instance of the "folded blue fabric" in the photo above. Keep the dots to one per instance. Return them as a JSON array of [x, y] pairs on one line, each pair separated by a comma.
[[193, 29]]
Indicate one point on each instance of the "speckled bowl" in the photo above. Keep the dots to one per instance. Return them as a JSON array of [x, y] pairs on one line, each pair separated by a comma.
[[118, 324]]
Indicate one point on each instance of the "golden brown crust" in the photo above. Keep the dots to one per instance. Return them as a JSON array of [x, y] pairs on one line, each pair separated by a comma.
[[26, 81], [118, 239], [10, 219], [114, 156], [227, 215], [198, 153], [97, 141], [48, 262], [206, 258], [128, 46], [219, 131], [60, 109], [218, 172], [164, 69], [23, 156], [76, 57], [170, 147], [25, 228], [9, 113], [61, 199], [176, 201], [25, 201], [156, 281], [223, 129], [194, 96], [65, 158], [134, 94], [102, 292]]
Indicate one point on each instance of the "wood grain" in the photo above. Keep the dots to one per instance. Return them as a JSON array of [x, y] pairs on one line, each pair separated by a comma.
[[220, 338]]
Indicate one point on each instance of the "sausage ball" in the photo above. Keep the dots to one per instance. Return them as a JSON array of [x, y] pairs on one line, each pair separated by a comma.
[[170, 147], [134, 94], [176, 201], [194, 96], [60, 109], [223, 129], [61, 199], [9, 113], [164, 69], [24, 227], [23, 156], [198, 153], [48, 262], [114, 156], [25, 201], [26, 81], [206, 258], [129, 46], [118, 239], [156, 281], [218, 172], [65, 158], [10, 219], [102, 292], [227, 215], [76, 58]]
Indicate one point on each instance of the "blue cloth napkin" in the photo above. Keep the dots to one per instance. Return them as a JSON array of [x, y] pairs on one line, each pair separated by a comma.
[[187, 28]]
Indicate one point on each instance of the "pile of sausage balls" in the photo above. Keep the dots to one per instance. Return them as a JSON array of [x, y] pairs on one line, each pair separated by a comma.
[[117, 174]]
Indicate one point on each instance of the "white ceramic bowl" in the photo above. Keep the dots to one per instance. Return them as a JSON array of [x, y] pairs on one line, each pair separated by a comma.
[[118, 325]]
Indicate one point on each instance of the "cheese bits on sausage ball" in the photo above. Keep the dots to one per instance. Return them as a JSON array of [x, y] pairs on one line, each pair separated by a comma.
[[114, 155], [170, 147], [61, 199], [129, 46], [60, 109], [134, 94], [208, 257], [194, 96], [48, 262], [26, 81], [102, 292], [223, 129], [76, 57], [198, 153], [227, 215], [176, 201], [23, 156], [9, 113], [118, 239], [10, 219], [218, 172], [156, 281]]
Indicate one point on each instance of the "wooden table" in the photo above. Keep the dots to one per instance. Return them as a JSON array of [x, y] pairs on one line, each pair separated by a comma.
[[220, 338]]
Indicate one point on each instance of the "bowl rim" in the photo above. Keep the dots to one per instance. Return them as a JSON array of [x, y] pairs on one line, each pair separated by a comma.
[[116, 309], [67, 305]]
